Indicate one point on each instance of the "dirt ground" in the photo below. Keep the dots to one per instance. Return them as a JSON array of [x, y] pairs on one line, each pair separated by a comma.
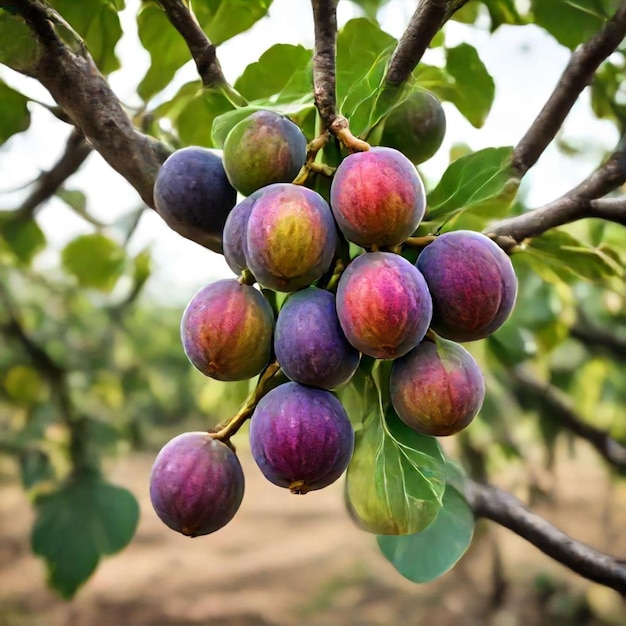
[[298, 560]]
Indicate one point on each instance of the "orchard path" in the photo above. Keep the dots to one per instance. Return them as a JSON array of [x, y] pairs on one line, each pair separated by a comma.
[[299, 561]]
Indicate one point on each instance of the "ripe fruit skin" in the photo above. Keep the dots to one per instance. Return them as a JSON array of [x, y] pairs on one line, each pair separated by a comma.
[[309, 343], [193, 195], [234, 238], [383, 304], [377, 197], [261, 149], [472, 283], [196, 484], [301, 437], [437, 388], [416, 127], [226, 330], [291, 237]]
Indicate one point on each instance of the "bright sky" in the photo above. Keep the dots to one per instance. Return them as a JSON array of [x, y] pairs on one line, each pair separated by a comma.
[[524, 61]]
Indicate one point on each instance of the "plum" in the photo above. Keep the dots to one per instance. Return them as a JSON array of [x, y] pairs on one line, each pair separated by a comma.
[[301, 437], [196, 484], [377, 197], [226, 330], [291, 237], [309, 343], [416, 126], [262, 149], [472, 283], [383, 304], [193, 195], [235, 228], [437, 388]]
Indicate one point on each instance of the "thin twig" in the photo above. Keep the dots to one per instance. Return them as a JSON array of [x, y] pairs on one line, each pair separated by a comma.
[[555, 405], [428, 18], [505, 509], [578, 73]]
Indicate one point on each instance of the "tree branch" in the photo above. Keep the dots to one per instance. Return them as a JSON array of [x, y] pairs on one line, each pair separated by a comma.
[[76, 151], [583, 201], [324, 73], [578, 73], [200, 47], [428, 18], [599, 339], [557, 406], [505, 509]]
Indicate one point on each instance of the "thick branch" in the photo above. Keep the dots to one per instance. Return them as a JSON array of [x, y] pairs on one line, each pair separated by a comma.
[[583, 201], [76, 151], [555, 405], [505, 509], [428, 18], [580, 69], [596, 338]]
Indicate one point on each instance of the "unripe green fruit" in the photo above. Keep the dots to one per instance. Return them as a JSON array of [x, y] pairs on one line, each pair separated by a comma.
[[416, 127]]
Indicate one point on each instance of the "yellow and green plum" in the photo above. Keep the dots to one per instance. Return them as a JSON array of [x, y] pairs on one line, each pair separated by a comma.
[[196, 484], [291, 237], [263, 148], [377, 197], [227, 329], [383, 304], [192, 194], [309, 343], [472, 283], [416, 126], [234, 236], [437, 388], [301, 437]]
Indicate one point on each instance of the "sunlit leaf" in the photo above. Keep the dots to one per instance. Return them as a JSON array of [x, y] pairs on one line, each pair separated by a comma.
[[23, 238]]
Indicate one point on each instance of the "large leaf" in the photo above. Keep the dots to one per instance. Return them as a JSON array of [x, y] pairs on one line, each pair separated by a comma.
[[475, 88], [572, 22], [360, 44], [558, 254], [396, 478], [19, 48], [97, 21], [14, 115], [483, 183], [195, 120], [95, 260], [79, 523], [275, 67], [502, 12], [426, 555], [223, 19], [167, 48]]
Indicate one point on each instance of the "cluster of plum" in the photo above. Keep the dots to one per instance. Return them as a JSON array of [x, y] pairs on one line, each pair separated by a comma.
[[286, 237]]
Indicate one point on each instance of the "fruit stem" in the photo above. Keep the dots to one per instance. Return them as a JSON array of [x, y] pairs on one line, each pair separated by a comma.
[[419, 242], [341, 129], [226, 430], [311, 165]]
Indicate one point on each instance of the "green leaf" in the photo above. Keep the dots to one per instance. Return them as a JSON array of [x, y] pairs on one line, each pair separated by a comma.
[[396, 478], [223, 19], [35, 467], [77, 524], [24, 385], [512, 344], [426, 555], [97, 21], [483, 183], [502, 12], [360, 44], [14, 114], [196, 118], [95, 260], [23, 238], [167, 49], [571, 22], [475, 89], [568, 258], [271, 73], [19, 49]]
